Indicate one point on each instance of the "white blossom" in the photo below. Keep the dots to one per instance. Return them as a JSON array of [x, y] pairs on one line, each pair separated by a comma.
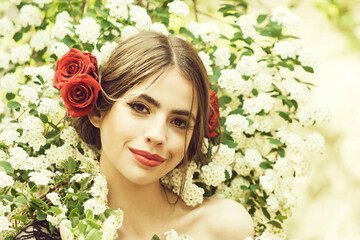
[[192, 195], [236, 123], [88, 30], [42, 2], [246, 24], [20, 54], [205, 58], [248, 66], [308, 57], [315, 142], [49, 107], [208, 32], [40, 40], [105, 51], [9, 83], [45, 71], [70, 136], [5, 180], [222, 57], [179, 8], [283, 167], [273, 203], [242, 166], [30, 15], [224, 155], [295, 143], [111, 225], [173, 235], [128, 32], [4, 224], [99, 188], [322, 113], [213, 174], [79, 177], [62, 25], [285, 17], [4, 60], [269, 180], [54, 198], [118, 8], [253, 157], [159, 27], [6, 26], [95, 205], [140, 17], [17, 157], [263, 82], [286, 49], [59, 49], [262, 102], [297, 90], [43, 177], [231, 81]]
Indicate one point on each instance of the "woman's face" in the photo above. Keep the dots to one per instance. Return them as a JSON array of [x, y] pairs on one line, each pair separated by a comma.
[[143, 134]]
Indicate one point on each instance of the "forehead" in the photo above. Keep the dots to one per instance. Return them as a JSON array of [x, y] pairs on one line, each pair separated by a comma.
[[170, 89]]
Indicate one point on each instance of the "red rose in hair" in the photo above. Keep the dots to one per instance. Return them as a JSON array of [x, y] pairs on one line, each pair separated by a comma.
[[73, 63], [80, 95], [214, 115]]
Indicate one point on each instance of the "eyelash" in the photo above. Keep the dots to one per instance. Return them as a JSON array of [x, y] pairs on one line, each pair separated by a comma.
[[178, 122]]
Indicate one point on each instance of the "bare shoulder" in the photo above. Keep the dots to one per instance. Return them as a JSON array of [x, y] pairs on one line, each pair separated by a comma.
[[228, 219]]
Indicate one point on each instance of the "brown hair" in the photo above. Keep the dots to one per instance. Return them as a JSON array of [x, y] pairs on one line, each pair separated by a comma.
[[138, 58]]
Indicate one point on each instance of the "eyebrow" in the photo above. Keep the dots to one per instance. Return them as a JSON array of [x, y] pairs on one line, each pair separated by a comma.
[[174, 111]]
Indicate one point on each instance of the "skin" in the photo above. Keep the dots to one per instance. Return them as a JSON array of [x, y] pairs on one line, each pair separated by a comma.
[[135, 121]]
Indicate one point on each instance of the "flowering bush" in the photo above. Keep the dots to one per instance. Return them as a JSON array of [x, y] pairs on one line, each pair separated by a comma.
[[49, 174]]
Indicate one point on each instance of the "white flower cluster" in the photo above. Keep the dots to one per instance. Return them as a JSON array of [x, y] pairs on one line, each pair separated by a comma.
[[140, 16], [263, 82], [70, 136], [4, 224], [308, 57], [236, 123], [9, 136], [315, 142], [231, 81], [173, 235], [286, 49], [4, 60], [57, 155], [95, 205], [118, 8], [248, 66], [286, 18], [205, 58], [179, 8], [54, 198], [88, 30], [49, 107], [59, 49], [297, 90], [29, 94], [30, 15], [246, 24], [128, 32], [269, 180], [262, 102], [244, 164], [310, 114], [222, 57], [208, 32], [6, 26], [32, 132], [9, 83], [5, 180], [42, 2], [283, 167], [79, 177], [40, 40], [99, 189], [112, 224], [20, 54], [42, 177], [105, 51], [159, 27], [62, 26], [294, 142], [224, 155]]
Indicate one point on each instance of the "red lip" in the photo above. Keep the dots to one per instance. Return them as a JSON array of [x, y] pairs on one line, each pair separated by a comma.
[[147, 158]]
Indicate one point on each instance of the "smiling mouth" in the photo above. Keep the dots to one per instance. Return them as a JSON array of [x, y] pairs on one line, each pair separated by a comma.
[[147, 158]]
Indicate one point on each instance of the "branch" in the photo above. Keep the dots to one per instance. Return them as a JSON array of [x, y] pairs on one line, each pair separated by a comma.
[[72, 10], [85, 7], [196, 11]]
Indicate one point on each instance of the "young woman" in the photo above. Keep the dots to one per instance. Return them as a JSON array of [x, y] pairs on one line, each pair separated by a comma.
[[151, 116]]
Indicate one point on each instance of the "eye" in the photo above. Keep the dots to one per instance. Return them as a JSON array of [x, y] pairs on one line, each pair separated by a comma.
[[139, 107], [180, 123]]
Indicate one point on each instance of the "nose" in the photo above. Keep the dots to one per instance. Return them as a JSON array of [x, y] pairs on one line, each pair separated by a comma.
[[156, 133]]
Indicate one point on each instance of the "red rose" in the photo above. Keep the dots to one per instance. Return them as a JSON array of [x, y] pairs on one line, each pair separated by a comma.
[[80, 95], [214, 115], [73, 63]]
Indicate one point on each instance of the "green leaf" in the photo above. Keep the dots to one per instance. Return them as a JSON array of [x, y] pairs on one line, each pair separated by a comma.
[[55, 210], [17, 36], [7, 166], [33, 112], [94, 234], [227, 175], [155, 237], [72, 164], [51, 134], [13, 105], [63, 6], [265, 165], [43, 118], [243, 187], [223, 100], [10, 96], [88, 47], [21, 199], [276, 224], [89, 214], [8, 197], [105, 24], [216, 74], [254, 187], [275, 141], [308, 69], [40, 215], [187, 33], [272, 29], [281, 152], [285, 116], [261, 18], [266, 213], [68, 41]]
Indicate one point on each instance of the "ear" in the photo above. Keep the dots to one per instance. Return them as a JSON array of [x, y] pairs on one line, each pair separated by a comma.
[[95, 117]]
